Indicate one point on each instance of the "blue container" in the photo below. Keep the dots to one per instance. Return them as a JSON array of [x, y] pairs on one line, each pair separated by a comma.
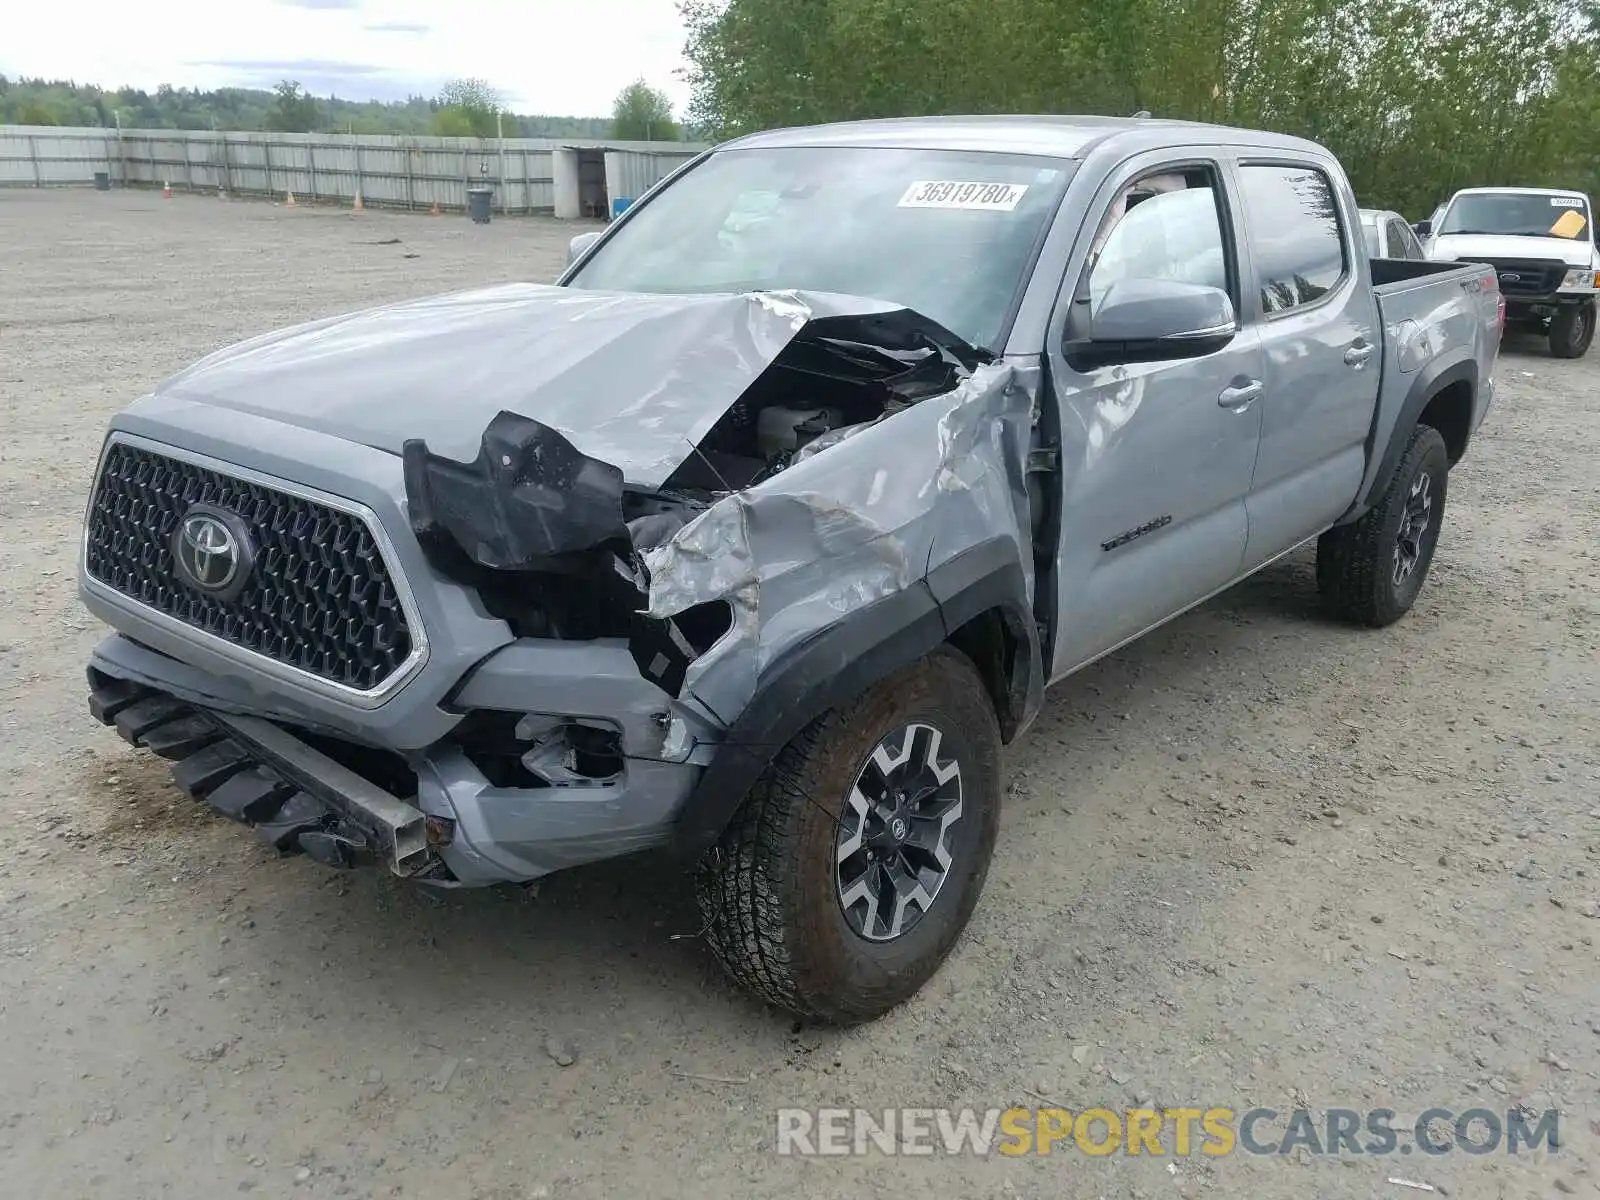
[[620, 206]]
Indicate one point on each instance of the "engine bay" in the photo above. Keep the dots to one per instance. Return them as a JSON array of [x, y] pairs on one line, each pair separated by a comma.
[[553, 540], [823, 381]]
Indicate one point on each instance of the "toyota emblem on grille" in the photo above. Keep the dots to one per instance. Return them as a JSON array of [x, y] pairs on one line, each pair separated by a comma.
[[212, 552]]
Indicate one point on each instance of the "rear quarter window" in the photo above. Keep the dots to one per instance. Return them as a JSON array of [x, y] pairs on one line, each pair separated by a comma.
[[1295, 235]]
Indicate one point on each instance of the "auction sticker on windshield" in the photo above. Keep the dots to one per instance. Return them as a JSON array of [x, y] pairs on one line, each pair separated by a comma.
[[983, 197], [1569, 224], [1565, 202]]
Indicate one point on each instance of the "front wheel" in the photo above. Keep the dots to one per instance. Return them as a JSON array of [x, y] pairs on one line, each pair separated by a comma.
[[1571, 330], [1370, 571], [854, 864]]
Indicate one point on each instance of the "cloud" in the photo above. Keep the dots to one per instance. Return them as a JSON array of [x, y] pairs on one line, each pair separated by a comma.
[[328, 46], [280, 66], [326, 77]]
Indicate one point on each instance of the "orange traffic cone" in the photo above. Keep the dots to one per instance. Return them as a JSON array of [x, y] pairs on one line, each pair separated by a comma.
[[288, 198], [166, 190], [358, 206]]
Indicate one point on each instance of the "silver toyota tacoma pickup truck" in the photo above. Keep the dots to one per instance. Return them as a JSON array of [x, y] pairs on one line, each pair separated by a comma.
[[756, 537]]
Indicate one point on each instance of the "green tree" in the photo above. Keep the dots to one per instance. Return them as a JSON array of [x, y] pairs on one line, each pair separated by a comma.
[[643, 114], [1417, 97], [468, 108], [35, 112], [293, 111]]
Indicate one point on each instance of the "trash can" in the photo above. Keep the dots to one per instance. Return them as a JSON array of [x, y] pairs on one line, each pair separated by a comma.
[[478, 206], [102, 181], [620, 206]]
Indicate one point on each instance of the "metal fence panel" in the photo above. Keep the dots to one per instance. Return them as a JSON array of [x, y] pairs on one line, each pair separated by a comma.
[[386, 169], [632, 173]]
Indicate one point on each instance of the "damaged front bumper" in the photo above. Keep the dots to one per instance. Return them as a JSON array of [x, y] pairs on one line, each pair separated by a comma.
[[257, 773], [464, 811]]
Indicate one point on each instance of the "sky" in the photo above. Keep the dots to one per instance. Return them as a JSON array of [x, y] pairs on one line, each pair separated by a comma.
[[554, 57]]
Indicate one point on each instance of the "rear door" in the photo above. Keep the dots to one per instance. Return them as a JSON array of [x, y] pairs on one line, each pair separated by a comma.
[[1314, 311], [1156, 457]]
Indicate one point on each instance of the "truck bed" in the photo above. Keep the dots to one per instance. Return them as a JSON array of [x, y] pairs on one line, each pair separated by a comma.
[[1439, 320], [1389, 274]]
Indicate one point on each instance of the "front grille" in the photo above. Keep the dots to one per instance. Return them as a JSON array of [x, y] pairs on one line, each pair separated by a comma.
[[1537, 277], [320, 599]]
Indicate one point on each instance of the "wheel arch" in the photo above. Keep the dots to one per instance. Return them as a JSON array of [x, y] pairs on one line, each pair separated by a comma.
[[1443, 395], [977, 602]]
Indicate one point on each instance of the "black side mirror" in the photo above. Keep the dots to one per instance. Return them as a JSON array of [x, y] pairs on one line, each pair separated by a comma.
[[1423, 229]]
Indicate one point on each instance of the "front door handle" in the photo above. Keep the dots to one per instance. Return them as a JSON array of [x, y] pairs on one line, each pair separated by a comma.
[[1358, 354], [1240, 396]]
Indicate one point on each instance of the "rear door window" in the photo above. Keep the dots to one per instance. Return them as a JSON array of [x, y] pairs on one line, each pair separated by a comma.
[[1295, 235]]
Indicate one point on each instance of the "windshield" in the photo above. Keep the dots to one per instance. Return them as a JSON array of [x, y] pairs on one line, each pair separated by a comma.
[[1518, 214], [948, 234]]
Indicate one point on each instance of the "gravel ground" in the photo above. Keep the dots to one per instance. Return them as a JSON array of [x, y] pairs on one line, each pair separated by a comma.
[[1256, 859]]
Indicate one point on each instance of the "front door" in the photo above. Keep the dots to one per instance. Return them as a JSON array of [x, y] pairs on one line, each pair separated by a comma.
[[1156, 458]]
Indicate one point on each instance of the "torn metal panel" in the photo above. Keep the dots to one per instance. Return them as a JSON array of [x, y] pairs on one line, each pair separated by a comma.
[[865, 516], [632, 380], [871, 447], [552, 538]]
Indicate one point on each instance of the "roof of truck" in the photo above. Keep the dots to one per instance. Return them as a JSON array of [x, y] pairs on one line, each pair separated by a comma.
[[1055, 136]]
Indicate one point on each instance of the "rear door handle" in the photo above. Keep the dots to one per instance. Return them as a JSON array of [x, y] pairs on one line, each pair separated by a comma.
[[1358, 354], [1240, 396]]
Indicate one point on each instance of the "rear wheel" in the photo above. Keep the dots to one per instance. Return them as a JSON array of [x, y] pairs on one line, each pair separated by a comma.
[[1371, 571], [1572, 330], [856, 861]]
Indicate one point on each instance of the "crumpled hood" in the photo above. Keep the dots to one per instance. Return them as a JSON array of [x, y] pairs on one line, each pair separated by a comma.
[[1471, 247], [633, 380]]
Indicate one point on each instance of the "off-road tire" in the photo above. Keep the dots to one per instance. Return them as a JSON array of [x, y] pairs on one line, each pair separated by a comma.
[[1357, 563], [769, 891], [1572, 330]]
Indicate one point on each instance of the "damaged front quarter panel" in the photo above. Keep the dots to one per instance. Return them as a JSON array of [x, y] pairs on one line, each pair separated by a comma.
[[871, 449], [850, 523]]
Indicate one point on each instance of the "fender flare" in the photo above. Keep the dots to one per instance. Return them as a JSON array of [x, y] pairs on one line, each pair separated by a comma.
[[1430, 381], [841, 661]]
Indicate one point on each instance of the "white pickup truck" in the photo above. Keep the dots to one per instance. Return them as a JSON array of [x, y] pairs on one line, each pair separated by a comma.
[[1541, 243]]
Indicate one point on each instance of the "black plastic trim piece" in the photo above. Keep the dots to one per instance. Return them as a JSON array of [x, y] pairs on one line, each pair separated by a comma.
[[257, 773]]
